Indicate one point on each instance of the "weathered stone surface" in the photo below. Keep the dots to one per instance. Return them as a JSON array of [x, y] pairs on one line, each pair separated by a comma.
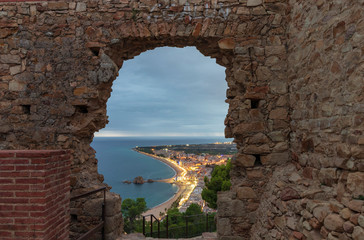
[[113, 204], [355, 183], [245, 160], [246, 193], [334, 222], [345, 213], [246, 128], [295, 82], [358, 233], [227, 43], [81, 7], [289, 194], [361, 220], [224, 227], [11, 59], [348, 227], [254, 3], [58, 5], [113, 223], [16, 85], [275, 158], [321, 212], [279, 113], [355, 205]]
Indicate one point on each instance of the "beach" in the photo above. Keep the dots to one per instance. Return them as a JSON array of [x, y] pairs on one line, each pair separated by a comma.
[[161, 208]]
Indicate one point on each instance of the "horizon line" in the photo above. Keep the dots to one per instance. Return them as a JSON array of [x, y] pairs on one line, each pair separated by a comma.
[[101, 135]]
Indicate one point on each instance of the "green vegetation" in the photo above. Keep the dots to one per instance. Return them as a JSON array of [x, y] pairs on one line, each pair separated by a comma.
[[182, 225], [145, 149], [132, 209], [220, 181]]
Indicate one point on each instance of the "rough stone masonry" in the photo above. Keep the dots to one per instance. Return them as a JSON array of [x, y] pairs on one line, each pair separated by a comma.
[[295, 74]]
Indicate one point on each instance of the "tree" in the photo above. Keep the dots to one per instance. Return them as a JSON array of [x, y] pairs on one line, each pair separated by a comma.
[[193, 209], [132, 209], [220, 181]]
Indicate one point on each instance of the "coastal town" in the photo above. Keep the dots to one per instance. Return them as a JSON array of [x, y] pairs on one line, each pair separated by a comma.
[[191, 163]]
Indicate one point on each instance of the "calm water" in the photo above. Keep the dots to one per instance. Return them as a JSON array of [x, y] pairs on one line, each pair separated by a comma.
[[117, 162]]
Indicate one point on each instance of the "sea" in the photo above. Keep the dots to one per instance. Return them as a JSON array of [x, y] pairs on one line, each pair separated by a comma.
[[118, 162]]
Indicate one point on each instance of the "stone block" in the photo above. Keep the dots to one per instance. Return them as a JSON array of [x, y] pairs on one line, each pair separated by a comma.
[[345, 213], [334, 222], [254, 3], [255, 174], [320, 212], [358, 233], [278, 86], [113, 223], [245, 160], [246, 193], [15, 70], [279, 113], [275, 50], [280, 222], [93, 207], [275, 158], [277, 136], [355, 183], [113, 204], [327, 176], [355, 205], [257, 149], [17, 86], [361, 220], [348, 227], [81, 7], [258, 138], [289, 194], [247, 128], [223, 227], [227, 43], [10, 59], [58, 5]]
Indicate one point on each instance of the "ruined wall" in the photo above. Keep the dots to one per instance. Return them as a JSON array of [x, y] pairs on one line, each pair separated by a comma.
[[294, 92], [326, 66], [58, 61], [317, 195]]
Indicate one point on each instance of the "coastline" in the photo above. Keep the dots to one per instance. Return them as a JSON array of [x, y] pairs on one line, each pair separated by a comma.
[[157, 210], [178, 170], [161, 208]]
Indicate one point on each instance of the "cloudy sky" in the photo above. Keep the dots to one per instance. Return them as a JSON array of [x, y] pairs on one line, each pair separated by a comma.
[[168, 92]]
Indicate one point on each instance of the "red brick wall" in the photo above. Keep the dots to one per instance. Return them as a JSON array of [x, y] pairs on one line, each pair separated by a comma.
[[26, 0], [34, 194]]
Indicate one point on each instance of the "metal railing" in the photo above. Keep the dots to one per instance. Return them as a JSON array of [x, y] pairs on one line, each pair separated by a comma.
[[101, 225], [188, 226]]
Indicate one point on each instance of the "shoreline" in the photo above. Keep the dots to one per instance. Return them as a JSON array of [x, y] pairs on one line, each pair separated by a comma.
[[161, 208], [181, 187], [177, 169]]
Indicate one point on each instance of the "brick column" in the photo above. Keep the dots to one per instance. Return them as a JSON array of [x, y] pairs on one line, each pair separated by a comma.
[[34, 194]]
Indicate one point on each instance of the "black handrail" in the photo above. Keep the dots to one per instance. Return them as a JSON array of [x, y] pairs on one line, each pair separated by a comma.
[[188, 228], [101, 225]]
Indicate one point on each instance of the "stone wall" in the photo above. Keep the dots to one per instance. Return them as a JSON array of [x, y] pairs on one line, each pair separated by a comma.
[[317, 195], [326, 69], [293, 69], [34, 194]]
